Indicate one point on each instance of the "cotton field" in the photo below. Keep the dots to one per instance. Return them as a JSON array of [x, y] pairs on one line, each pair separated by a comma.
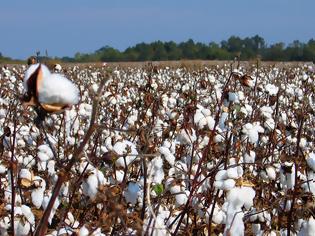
[[157, 150]]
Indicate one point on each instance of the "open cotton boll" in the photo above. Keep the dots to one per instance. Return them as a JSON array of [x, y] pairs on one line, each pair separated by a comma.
[[232, 173], [221, 175], [308, 228], [21, 227], [132, 193], [187, 137], [266, 111], [271, 172], [156, 170], [311, 161], [44, 152], [59, 90], [37, 194], [228, 184], [271, 89], [121, 149], [287, 175], [169, 157], [83, 231], [3, 169], [251, 131], [181, 198], [236, 226], [90, 186], [27, 212], [32, 69]]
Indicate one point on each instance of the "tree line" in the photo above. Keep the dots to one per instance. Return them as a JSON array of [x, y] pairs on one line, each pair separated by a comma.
[[248, 48]]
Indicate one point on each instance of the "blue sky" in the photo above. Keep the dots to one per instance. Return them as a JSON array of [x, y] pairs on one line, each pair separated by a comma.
[[65, 27]]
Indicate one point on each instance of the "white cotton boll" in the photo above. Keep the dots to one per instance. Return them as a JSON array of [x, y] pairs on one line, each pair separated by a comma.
[[270, 124], [3, 169], [221, 175], [121, 149], [169, 157], [311, 161], [44, 148], [25, 174], [210, 122], [43, 157], [241, 95], [218, 217], [119, 175], [90, 186], [228, 184], [218, 138], [232, 173], [186, 137], [51, 167], [303, 143], [58, 67], [132, 192], [22, 228], [249, 195], [236, 227], [175, 189], [37, 197], [83, 231], [27, 212], [181, 198], [271, 172], [287, 175], [219, 184], [271, 89], [308, 228], [41, 166], [59, 90], [4, 225], [266, 111], [249, 157], [222, 120]]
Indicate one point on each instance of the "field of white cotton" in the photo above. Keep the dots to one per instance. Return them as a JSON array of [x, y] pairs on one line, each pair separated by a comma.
[[157, 150]]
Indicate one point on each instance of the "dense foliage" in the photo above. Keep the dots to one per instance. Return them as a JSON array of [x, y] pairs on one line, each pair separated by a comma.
[[235, 47]]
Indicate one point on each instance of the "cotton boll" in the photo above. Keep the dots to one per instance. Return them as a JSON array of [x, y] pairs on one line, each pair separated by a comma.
[[90, 186], [287, 175], [228, 184], [28, 214], [271, 89], [25, 174], [119, 175], [37, 197], [175, 189], [83, 231], [271, 172], [270, 124], [3, 169], [22, 228], [232, 173], [186, 137], [311, 161], [37, 194], [308, 228], [121, 149], [59, 90], [181, 198], [221, 175], [169, 157], [236, 227]]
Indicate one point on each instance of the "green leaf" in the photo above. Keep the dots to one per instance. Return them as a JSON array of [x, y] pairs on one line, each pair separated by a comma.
[[158, 189]]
